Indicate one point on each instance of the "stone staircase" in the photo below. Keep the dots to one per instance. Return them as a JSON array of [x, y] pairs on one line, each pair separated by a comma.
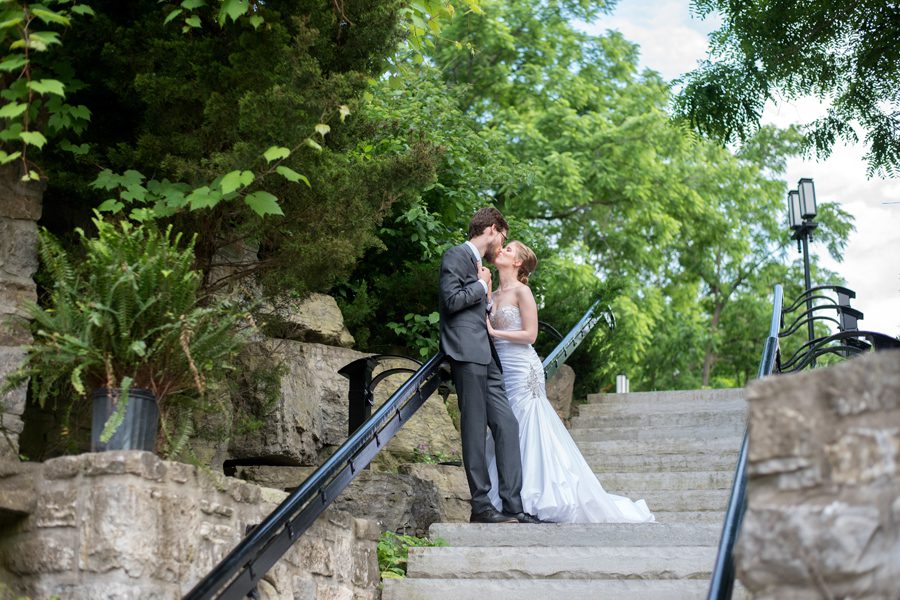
[[677, 450]]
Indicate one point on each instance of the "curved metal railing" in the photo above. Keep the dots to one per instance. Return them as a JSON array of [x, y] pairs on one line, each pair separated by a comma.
[[576, 335], [238, 573], [722, 582]]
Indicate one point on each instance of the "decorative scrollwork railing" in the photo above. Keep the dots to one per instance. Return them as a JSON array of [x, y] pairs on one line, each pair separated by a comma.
[[848, 341]]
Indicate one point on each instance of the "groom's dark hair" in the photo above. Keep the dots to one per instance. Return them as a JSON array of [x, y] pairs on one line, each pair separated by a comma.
[[484, 218]]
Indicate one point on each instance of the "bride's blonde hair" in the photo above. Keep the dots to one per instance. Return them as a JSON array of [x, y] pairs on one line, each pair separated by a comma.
[[528, 260]]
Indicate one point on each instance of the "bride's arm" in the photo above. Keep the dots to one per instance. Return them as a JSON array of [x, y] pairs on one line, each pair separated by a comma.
[[528, 312]]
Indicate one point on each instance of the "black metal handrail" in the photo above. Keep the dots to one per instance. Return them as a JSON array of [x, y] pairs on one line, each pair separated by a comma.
[[576, 335], [722, 582], [239, 572]]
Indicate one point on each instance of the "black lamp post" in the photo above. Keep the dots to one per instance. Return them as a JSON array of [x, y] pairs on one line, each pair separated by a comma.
[[801, 217]]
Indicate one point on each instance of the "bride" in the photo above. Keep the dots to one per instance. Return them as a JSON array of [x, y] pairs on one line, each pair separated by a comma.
[[558, 485]]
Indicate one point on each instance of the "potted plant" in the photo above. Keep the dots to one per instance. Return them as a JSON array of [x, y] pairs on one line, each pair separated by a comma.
[[126, 324]]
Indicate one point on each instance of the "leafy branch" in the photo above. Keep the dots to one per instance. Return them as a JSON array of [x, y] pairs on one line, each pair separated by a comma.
[[24, 30]]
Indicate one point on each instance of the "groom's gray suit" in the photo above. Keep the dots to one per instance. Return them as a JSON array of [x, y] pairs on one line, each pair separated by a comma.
[[479, 382]]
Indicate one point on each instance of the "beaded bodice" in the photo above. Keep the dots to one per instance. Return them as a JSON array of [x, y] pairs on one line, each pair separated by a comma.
[[507, 317]]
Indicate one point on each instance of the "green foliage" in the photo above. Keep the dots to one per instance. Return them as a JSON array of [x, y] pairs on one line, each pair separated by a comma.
[[189, 116], [393, 552], [842, 51], [127, 314], [421, 330], [423, 454], [33, 91]]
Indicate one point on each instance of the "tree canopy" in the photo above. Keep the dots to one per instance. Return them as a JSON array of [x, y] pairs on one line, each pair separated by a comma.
[[844, 52]]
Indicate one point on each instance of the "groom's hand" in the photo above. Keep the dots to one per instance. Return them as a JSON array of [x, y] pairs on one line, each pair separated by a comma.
[[485, 275]]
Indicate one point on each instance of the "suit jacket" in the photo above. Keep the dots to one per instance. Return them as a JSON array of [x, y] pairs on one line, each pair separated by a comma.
[[463, 308]]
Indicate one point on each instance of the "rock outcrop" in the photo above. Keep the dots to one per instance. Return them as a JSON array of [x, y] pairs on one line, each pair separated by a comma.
[[824, 483]]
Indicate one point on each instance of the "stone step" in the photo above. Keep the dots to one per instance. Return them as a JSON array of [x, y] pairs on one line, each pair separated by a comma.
[[550, 589], [622, 407], [643, 463], [697, 432], [680, 500], [676, 480], [662, 446], [669, 396], [577, 534], [707, 418], [562, 562], [691, 517]]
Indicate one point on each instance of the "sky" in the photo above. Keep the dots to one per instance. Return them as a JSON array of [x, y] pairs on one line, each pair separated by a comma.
[[672, 41]]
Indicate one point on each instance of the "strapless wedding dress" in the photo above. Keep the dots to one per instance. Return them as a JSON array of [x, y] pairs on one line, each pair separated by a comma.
[[557, 483]]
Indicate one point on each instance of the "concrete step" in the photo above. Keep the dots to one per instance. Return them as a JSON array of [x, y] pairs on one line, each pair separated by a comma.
[[577, 534], [602, 463], [696, 432], [673, 481], [697, 418], [662, 446], [691, 517], [681, 500], [562, 562], [622, 407], [669, 396], [550, 589]]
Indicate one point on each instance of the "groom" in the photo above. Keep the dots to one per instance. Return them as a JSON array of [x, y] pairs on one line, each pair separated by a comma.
[[464, 285]]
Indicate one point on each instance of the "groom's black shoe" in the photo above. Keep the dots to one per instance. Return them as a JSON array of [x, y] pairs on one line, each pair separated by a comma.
[[524, 517], [491, 516]]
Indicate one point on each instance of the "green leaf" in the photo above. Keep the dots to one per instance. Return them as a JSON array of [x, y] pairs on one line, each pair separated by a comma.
[[112, 205], [13, 63], [312, 144], [263, 203], [203, 197], [233, 9], [275, 153], [172, 15], [344, 110], [14, 21], [8, 158], [291, 175], [41, 40], [322, 129], [79, 150], [48, 16], [193, 21], [83, 9], [230, 182], [138, 347], [35, 138], [48, 86], [256, 21], [12, 110], [192, 4]]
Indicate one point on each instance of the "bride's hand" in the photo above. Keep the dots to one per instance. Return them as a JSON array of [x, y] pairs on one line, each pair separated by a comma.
[[491, 331]]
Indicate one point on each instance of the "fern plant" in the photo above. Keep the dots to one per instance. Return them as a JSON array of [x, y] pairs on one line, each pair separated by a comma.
[[129, 314]]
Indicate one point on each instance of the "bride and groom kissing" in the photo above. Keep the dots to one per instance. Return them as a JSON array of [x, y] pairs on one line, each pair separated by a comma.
[[521, 464]]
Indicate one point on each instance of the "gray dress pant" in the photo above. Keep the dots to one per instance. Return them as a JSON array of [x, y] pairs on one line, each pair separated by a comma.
[[482, 405]]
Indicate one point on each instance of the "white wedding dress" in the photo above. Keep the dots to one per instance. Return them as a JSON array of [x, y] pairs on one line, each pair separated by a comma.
[[557, 483]]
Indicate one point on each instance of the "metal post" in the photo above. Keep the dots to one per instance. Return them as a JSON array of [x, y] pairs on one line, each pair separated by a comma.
[[808, 281]]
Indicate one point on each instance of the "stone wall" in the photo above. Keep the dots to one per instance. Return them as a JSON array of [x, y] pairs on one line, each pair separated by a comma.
[[823, 517], [20, 208], [126, 524]]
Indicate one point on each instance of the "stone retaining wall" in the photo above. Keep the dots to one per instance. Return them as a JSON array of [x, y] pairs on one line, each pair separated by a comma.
[[823, 515], [126, 525], [20, 208]]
